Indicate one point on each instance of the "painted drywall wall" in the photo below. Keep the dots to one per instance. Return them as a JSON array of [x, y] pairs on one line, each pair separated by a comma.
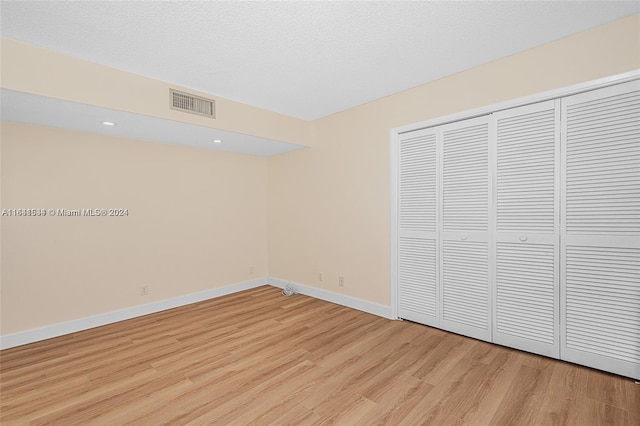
[[30, 69], [329, 207], [196, 221]]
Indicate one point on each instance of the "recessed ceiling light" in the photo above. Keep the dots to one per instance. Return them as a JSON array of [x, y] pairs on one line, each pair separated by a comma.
[[217, 141], [108, 123]]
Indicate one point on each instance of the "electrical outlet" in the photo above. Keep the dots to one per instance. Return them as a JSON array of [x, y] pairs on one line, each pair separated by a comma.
[[252, 270], [144, 290], [320, 276], [341, 281]]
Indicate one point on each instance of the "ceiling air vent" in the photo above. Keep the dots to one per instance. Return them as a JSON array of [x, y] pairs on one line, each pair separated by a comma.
[[194, 104]]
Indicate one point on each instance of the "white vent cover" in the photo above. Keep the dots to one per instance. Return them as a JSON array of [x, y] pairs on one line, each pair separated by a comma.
[[194, 104]]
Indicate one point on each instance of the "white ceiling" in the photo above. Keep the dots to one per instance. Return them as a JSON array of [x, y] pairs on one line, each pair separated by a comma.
[[303, 59]]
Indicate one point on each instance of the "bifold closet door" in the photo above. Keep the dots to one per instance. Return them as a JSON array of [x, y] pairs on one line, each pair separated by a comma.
[[526, 239], [417, 234], [600, 284], [464, 245]]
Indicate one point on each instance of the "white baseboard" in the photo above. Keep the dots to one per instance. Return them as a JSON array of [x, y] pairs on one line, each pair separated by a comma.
[[55, 330], [47, 332], [340, 299]]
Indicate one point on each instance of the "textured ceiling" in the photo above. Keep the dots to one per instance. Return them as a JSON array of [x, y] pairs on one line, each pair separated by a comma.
[[303, 59]]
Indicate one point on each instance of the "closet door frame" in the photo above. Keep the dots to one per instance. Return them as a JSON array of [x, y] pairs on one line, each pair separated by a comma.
[[394, 158], [394, 137]]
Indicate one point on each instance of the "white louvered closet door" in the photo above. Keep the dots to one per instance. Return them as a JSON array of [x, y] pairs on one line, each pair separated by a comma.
[[527, 161], [464, 248], [417, 236], [600, 284]]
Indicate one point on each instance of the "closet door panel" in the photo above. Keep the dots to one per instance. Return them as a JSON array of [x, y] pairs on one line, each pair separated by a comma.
[[464, 249], [600, 284], [526, 308], [417, 236], [465, 290], [417, 280], [602, 314], [526, 300]]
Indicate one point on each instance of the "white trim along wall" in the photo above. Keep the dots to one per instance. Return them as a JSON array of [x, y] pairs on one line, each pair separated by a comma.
[[340, 299], [61, 329]]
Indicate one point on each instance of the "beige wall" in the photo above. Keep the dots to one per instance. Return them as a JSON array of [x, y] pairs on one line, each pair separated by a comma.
[[196, 221], [329, 206]]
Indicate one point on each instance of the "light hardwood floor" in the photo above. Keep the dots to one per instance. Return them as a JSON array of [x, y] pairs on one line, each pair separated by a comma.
[[258, 357]]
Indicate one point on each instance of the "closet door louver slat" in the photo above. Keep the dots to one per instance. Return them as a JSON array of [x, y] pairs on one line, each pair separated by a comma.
[[417, 275], [465, 177], [601, 233], [465, 292]]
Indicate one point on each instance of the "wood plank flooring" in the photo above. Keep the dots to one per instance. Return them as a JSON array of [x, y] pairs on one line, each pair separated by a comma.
[[259, 358]]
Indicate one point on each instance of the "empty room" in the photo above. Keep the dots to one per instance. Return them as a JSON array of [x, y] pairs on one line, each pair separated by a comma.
[[322, 212]]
